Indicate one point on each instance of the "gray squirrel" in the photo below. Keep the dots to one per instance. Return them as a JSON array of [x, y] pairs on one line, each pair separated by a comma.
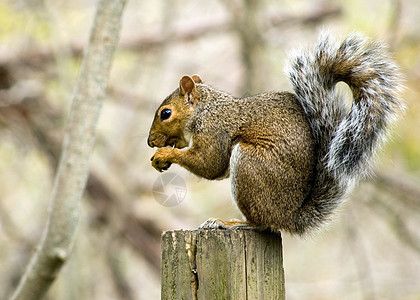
[[292, 157]]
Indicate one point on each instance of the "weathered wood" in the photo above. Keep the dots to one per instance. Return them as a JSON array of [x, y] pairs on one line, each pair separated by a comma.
[[222, 264]]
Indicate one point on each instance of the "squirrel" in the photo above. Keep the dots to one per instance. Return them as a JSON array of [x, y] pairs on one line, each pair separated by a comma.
[[292, 157]]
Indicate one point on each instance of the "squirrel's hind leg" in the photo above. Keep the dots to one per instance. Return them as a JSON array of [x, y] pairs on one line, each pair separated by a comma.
[[266, 187]]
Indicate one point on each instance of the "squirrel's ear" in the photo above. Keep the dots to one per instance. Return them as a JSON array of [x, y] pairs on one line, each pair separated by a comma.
[[186, 85], [197, 78]]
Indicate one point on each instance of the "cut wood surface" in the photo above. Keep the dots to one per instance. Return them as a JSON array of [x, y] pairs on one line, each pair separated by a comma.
[[222, 264]]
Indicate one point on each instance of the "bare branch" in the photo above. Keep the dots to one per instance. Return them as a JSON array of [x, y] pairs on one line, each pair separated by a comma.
[[397, 224], [58, 237], [307, 18], [155, 38], [402, 187]]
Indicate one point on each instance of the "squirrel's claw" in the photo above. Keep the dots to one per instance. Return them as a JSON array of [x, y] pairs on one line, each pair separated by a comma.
[[160, 165], [216, 223]]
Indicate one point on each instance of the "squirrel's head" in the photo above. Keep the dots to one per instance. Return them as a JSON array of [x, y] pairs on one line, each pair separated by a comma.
[[173, 114]]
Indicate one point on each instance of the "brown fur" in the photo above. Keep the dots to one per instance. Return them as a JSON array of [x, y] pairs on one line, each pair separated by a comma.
[[291, 157], [270, 134]]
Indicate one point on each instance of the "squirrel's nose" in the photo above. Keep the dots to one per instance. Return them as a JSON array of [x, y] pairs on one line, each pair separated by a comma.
[[157, 140], [150, 143]]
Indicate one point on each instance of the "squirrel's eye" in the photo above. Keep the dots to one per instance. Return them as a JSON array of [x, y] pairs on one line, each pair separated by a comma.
[[165, 114]]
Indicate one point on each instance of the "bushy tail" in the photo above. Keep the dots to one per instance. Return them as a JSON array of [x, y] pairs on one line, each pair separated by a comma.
[[346, 140]]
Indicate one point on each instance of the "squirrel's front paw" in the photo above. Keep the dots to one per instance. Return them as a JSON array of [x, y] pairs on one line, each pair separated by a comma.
[[161, 159]]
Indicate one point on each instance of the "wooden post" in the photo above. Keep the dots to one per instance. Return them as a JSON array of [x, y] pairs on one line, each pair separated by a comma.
[[222, 264]]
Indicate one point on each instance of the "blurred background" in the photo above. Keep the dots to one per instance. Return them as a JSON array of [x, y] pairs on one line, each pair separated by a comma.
[[370, 251]]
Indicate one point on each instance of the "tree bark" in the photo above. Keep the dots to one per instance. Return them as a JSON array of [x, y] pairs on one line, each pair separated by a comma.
[[58, 237]]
